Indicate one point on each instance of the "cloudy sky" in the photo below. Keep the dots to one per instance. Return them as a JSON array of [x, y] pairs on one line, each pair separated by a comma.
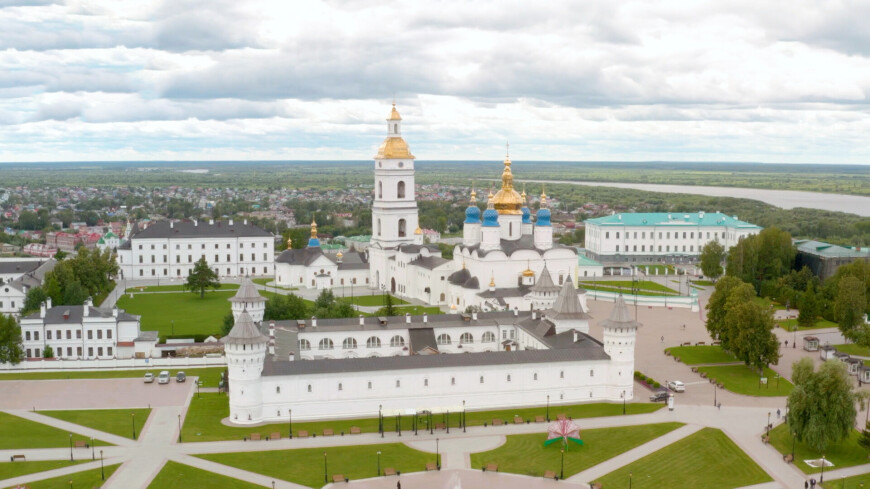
[[769, 81]]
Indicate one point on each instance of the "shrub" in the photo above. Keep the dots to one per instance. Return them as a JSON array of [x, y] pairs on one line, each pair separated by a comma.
[[656, 385]]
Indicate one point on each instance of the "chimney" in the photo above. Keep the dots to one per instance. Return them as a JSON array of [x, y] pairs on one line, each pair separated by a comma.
[[576, 336], [211, 222], [362, 320], [115, 311], [534, 315], [408, 317], [231, 222], [246, 222], [42, 309], [474, 315], [425, 318], [272, 346], [516, 312], [86, 308], [171, 224], [48, 303], [292, 356], [195, 223], [313, 321]]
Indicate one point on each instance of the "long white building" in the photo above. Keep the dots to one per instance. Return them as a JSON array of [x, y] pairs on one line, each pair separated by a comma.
[[17, 277], [654, 236], [169, 249], [347, 368]]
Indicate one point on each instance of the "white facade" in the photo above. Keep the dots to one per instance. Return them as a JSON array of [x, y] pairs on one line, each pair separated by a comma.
[[171, 249], [656, 236], [17, 277]]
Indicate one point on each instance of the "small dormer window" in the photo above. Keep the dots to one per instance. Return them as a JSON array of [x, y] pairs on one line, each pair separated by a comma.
[[562, 374]]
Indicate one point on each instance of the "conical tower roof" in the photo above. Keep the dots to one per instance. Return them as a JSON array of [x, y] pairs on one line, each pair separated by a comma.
[[247, 292], [620, 317], [545, 282], [567, 305], [245, 332]]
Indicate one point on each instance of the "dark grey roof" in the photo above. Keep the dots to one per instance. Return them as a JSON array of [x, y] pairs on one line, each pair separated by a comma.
[[353, 260], [186, 229], [56, 313], [499, 293], [471, 283], [147, 336], [126, 245], [585, 351], [509, 247], [247, 292], [567, 305], [400, 322], [422, 338], [459, 277], [545, 282], [430, 262], [619, 316], [301, 256], [244, 332], [19, 267], [415, 248]]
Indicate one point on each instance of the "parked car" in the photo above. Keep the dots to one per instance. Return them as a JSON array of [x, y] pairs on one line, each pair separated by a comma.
[[149, 378], [677, 386], [660, 395], [180, 377], [163, 378]]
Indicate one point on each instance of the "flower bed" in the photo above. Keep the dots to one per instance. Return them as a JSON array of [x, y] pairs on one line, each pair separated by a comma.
[[649, 382]]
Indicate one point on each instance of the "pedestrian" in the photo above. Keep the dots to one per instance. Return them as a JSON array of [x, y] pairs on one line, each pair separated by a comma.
[[806, 485], [398, 484], [663, 339], [786, 343], [778, 412], [719, 406]]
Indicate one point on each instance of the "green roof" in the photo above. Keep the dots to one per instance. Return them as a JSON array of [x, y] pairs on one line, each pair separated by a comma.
[[110, 235], [365, 238], [830, 251], [677, 219], [585, 261], [332, 246]]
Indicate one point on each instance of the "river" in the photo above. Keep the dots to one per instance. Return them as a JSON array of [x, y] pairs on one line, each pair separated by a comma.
[[786, 199]]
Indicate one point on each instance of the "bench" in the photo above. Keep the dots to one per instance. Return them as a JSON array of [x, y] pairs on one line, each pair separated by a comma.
[[328, 432], [676, 359], [700, 343], [81, 444], [354, 430], [694, 370], [389, 471], [703, 375], [716, 343], [16, 457], [302, 434], [788, 458], [431, 466], [275, 436], [596, 485], [687, 343], [540, 419], [255, 437], [441, 426], [497, 422], [491, 468], [339, 478], [550, 475], [667, 353], [765, 439], [518, 420]]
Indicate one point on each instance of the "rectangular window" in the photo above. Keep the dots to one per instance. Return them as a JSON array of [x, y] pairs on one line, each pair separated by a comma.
[[617, 248], [607, 235], [140, 258], [109, 351], [99, 334], [177, 247], [78, 351], [669, 235], [36, 337], [216, 260], [109, 334], [78, 334], [634, 248], [189, 259], [90, 334], [177, 258], [90, 351], [27, 337], [617, 235], [100, 351], [228, 246], [241, 257], [228, 258], [69, 351], [69, 334], [635, 235], [264, 257], [215, 246], [48, 334], [253, 257]]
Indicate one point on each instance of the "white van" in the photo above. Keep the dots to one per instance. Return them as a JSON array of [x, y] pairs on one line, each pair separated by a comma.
[[163, 378]]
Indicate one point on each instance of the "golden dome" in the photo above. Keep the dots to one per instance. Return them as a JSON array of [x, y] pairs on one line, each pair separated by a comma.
[[289, 243], [394, 147], [394, 115], [339, 254], [418, 230], [313, 229], [507, 200], [492, 282], [528, 273], [543, 197]]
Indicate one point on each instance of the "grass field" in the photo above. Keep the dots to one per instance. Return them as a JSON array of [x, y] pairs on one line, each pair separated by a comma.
[[853, 349], [266, 281], [306, 466], [114, 421], [174, 475], [9, 470], [703, 283], [652, 269], [854, 482], [740, 379], [18, 432], [418, 310], [697, 355], [642, 285], [176, 288], [790, 324], [209, 375], [707, 459], [847, 453], [527, 455], [191, 315], [767, 303], [373, 300], [203, 421], [84, 479]]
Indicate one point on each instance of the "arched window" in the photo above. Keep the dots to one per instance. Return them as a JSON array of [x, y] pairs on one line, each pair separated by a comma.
[[304, 345], [444, 339], [373, 342], [425, 382], [397, 341], [481, 379], [380, 189], [339, 386], [466, 338], [325, 344], [400, 190], [401, 228], [442, 298], [488, 337], [309, 387], [535, 377], [348, 344], [509, 377], [395, 128]]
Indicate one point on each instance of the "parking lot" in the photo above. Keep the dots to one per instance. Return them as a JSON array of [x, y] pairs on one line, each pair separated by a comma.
[[91, 394]]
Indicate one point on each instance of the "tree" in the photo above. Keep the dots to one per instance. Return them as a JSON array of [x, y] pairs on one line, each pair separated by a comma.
[[743, 327], [809, 307], [282, 307], [711, 259], [849, 310], [767, 255], [34, 299], [821, 405], [228, 323], [202, 277], [48, 352], [716, 308], [10, 340], [864, 439]]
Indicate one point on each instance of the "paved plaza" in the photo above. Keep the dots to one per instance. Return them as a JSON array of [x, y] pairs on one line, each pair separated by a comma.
[[742, 418]]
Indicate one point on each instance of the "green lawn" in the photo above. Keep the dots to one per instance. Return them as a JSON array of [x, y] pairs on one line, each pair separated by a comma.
[[373, 300], [209, 375], [790, 324], [707, 459], [527, 455], [696, 355], [853, 349], [847, 453], [175, 288], [174, 475], [305, 466], [767, 303], [191, 314], [854, 482], [84, 479], [203, 420], [642, 285], [269, 282], [703, 283], [18, 432], [651, 269], [9, 470], [740, 379], [418, 310], [115, 421]]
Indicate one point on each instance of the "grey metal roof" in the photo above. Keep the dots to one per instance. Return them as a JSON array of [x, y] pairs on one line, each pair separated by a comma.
[[509, 247], [430, 262], [186, 229], [147, 336], [400, 322], [245, 332], [18, 266], [586, 351], [509, 292], [415, 248], [619, 316], [459, 277], [422, 338], [55, 315], [567, 305], [545, 282], [471, 283], [247, 292]]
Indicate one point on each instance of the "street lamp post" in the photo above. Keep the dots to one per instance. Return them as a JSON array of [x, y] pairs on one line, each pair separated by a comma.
[[437, 454], [448, 422], [768, 423], [102, 470], [629, 480], [562, 469], [70, 484], [70, 448], [379, 463], [290, 428], [93, 455], [324, 468], [548, 408], [623, 403], [793, 439], [179, 428], [380, 420], [714, 395], [822, 477], [464, 420], [133, 421]]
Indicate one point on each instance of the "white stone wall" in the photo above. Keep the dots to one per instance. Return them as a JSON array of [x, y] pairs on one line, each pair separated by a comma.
[[659, 240], [74, 342]]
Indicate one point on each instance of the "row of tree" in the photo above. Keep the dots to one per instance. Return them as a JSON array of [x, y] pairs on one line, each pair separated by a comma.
[[284, 307], [89, 273]]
